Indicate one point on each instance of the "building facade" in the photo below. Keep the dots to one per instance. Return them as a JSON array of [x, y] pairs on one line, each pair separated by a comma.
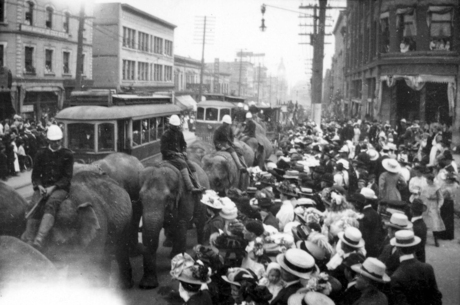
[[337, 103], [133, 50], [38, 49], [402, 61]]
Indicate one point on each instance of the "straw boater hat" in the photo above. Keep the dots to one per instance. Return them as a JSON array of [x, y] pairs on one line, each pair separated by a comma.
[[292, 151], [306, 201], [309, 298], [297, 262], [405, 238], [368, 193], [352, 237], [373, 269], [292, 174], [399, 221], [391, 165], [234, 276]]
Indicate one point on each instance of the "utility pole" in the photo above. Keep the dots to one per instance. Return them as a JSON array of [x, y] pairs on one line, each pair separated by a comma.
[[203, 36], [258, 85], [241, 71], [200, 94], [81, 28]]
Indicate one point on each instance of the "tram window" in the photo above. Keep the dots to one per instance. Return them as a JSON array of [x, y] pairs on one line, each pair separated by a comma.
[[81, 136], [211, 114], [106, 136], [200, 113], [136, 133], [153, 129], [145, 131], [161, 125], [223, 112]]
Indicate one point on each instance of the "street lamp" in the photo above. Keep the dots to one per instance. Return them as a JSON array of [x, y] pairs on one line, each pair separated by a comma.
[[262, 9]]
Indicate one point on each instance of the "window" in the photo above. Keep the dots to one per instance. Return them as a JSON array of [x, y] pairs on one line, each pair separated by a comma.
[[143, 42], [142, 71], [168, 73], [66, 62], [223, 112], [440, 24], [200, 113], [211, 114], [128, 69], [161, 122], [153, 129], [81, 136], [2, 52], [158, 45], [29, 62], [168, 48], [385, 34], [136, 133], [129, 38], [49, 17], [407, 27], [105, 137], [66, 24], [29, 18], [158, 72], [48, 61], [82, 67], [2, 10]]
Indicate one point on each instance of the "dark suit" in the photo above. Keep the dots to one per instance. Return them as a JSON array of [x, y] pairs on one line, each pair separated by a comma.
[[284, 294], [414, 283], [390, 258], [420, 230], [372, 296], [371, 228], [349, 296], [272, 221]]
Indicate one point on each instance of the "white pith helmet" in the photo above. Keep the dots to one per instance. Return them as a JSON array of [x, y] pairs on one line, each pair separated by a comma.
[[248, 115], [240, 105], [246, 107], [174, 120], [227, 119], [54, 133]]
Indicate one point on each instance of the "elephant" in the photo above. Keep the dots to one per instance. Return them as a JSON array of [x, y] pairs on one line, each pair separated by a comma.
[[163, 191], [91, 225], [12, 211], [125, 170]]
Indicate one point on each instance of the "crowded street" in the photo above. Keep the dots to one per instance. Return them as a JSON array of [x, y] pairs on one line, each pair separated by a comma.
[[301, 152]]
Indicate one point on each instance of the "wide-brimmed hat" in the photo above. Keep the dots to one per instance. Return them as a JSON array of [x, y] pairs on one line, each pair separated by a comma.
[[229, 210], [368, 193], [306, 201], [358, 199], [405, 238], [352, 237], [212, 202], [291, 174], [309, 298], [191, 275], [297, 262], [373, 269], [418, 206], [373, 154], [399, 221], [235, 276], [391, 165], [271, 165], [286, 189]]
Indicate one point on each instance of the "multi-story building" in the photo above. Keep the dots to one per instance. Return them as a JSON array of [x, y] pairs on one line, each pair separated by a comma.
[[133, 50], [402, 61], [38, 48], [337, 103]]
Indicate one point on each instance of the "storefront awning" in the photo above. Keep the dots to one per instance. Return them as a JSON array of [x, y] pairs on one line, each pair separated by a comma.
[[186, 102]]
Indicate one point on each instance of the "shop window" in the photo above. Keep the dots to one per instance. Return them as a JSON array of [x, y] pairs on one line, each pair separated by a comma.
[[106, 137], [223, 112], [66, 62], [29, 61], [153, 129], [137, 133], [48, 61], [66, 24], [439, 21], [80, 136], [211, 114], [200, 113], [29, 17], [407, 28], [49, 17]]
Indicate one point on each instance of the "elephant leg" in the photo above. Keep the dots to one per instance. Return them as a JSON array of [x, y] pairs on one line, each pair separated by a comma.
[[133, 242], [152, 224], [185, 214], [124, 265]]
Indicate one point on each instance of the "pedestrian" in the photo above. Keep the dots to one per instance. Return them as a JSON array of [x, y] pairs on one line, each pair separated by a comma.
[[15, 153], [431, 195], [390, 181], [414, 282], [449, 192], [419, 227], [3, 163], [350, 293], [371, 274], [245, 288], [21, 153]]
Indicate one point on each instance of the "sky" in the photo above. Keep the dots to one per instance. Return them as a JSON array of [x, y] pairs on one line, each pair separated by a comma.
[[235, 27]]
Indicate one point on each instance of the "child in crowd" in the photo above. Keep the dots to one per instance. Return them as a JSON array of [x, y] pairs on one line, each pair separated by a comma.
[[272, 279]]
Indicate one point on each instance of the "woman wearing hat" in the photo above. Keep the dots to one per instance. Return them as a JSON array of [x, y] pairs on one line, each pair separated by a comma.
[[371, 274], [431, 195], [213, 208], [449, 192], [417, 182], [391, 180], [286, 212], [244, 287]]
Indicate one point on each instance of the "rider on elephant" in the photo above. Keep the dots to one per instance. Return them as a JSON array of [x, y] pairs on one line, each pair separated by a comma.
[[239, 115], [173, 149], [51, 178], [223, 140], [249, 128]]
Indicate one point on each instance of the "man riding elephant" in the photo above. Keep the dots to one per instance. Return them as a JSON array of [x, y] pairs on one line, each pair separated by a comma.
[[51, 178], [173, 149], [250, 128], [240, 113], [223, 140]]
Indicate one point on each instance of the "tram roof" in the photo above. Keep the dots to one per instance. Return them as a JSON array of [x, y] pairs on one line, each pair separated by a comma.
[[213, 103], [101, 113]]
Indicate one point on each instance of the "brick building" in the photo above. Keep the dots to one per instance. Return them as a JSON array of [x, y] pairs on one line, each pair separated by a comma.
[[402, 60], [133, 50], [38, 47]]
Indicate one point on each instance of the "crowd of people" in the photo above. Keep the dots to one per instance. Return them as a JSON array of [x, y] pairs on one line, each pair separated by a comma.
[[341, 217], [19, 138]]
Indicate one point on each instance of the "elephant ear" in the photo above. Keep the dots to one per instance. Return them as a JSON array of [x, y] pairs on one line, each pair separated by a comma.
[[89, 224]]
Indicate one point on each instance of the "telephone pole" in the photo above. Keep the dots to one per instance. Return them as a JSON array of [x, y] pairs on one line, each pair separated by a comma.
[[203, 38], [81, 28], [200, 94]]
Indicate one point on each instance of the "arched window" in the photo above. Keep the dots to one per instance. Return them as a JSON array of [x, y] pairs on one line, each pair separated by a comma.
[[66, 22], [29, 18], [49, 17]]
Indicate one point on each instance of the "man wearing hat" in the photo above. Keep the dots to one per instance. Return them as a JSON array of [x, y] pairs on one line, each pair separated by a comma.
[[249, 128], [295, 264], [268, 218], [350, 293], [414, 282], [286, 212], [371, 273], [419, 227]]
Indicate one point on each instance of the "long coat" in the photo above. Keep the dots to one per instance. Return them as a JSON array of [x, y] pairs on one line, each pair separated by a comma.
[[388, 186], [371, 229]]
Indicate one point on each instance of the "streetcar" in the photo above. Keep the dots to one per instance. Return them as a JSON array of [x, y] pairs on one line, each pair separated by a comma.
[[100, 122]]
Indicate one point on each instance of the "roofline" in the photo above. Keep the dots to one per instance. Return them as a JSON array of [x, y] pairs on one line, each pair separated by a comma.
[[339, 19], [147, 15]]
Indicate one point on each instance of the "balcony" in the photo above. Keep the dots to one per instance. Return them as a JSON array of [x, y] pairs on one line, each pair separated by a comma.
[[43, 31]]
